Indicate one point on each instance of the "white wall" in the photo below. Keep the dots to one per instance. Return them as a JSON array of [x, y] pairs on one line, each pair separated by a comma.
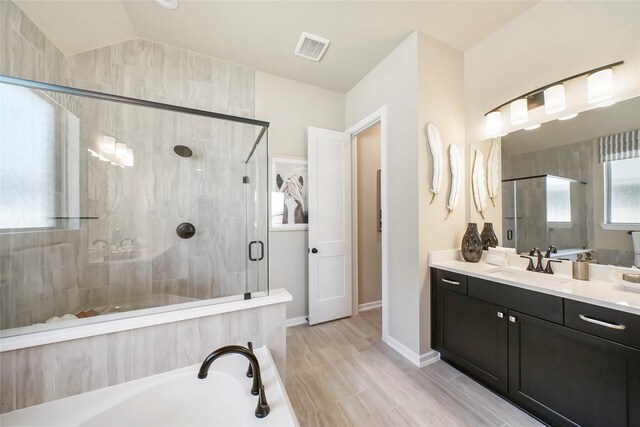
[[441, 101], [393, 82], [291, 107], [551, 41]]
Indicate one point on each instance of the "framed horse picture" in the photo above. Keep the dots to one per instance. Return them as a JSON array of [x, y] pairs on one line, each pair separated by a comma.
[[289, 209]]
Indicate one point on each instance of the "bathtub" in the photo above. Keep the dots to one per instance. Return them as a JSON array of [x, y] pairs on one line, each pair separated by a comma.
[[174, 398]]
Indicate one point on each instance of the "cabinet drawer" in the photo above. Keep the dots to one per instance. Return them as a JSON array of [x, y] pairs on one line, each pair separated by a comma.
[[452, 281], [614, 325], [536, 304]]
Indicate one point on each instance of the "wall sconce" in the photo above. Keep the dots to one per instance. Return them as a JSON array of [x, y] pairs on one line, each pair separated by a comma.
[[128, 158], [121, 150], [493, 121], [554, 99], [519, 111], [600, 85], [552, 96]]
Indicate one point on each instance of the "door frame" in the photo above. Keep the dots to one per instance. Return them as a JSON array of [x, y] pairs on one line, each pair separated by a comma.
[[378, 116]]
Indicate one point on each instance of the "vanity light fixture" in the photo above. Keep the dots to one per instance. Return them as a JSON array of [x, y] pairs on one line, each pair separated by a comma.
[[128, 158], [93, 153], [600, 85], [552, 96], [569, 117], [554, 99], [519, 111], [108, 144], [533, 127], [103, 158], [493, 121]]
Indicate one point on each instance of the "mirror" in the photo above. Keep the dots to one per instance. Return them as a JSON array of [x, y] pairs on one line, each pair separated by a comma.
[[559, 187]]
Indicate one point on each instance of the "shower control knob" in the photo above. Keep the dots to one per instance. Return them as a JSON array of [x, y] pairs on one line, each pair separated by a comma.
[[186, 230], [314, 251]]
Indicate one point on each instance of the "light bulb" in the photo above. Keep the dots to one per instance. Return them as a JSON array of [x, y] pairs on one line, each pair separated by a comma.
[[600, 86], [493, 122], [533, 127], [108, 144], [569, 117], [554, 99], [121, 150]]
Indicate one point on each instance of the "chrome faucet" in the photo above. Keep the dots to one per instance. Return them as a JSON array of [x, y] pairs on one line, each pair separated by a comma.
[[127, 239], [257, 389]]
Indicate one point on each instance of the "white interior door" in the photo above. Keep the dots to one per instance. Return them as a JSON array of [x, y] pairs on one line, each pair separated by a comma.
[[329, 193]]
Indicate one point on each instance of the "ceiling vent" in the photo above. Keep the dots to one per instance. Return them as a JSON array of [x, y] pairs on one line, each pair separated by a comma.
[[311, 46]]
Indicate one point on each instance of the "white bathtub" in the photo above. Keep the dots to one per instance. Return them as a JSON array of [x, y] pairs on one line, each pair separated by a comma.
[[175, 398]]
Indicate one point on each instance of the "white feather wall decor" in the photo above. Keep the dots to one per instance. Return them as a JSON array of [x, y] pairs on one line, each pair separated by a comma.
[[493, 172], [479, 183], [435, 146], [455, 160]]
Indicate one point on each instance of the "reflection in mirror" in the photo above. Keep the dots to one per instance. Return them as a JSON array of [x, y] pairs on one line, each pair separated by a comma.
[[575, 184]]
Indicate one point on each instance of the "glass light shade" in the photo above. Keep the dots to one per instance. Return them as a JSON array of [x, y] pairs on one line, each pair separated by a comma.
[[533, 127], [554, 99], [103, 158], [93, 153], [493, 122], [519, 111], [600, 85], [108, 144], [121, 150], [128, 159], [569, 117]]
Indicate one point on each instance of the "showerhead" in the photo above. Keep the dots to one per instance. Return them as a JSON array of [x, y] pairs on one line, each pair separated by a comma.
[[183, 151]]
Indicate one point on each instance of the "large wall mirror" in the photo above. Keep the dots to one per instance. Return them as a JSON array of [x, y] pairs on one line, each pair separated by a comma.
[[575, 184]]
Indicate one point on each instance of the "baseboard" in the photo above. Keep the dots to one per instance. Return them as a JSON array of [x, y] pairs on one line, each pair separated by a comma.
[[369, 305], [296, 321], [420, 360]]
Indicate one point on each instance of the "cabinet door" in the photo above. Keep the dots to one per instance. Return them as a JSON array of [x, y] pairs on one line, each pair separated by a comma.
[[587, 380], [472, 334]]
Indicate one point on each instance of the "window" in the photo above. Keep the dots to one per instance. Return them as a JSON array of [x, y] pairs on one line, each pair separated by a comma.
[[558, 200], [27, 160], [622, 191]]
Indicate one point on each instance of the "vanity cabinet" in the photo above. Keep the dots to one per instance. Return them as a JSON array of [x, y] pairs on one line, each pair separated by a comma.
[[517, 342]]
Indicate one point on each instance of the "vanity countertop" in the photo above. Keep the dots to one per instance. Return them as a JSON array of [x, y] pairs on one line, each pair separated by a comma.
[[597, 292]]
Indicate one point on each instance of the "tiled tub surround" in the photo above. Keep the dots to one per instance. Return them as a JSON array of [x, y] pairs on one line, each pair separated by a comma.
[[209, 265], [41, 373], [222, 399], [599, 290]]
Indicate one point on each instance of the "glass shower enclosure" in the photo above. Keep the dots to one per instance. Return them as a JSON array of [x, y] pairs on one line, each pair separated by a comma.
[[544, 210], [113, 207]]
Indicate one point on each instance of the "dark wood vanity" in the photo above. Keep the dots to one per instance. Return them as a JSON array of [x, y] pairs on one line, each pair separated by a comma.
[[564, 361]]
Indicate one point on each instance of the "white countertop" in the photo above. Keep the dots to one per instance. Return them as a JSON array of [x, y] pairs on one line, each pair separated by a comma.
[[596, 292]]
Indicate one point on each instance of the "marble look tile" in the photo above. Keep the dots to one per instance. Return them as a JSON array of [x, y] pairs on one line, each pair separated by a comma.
[[142, 352], [137, 54], [32, 34], [93, 66], [7, 382], [80, 366], [34, 376]]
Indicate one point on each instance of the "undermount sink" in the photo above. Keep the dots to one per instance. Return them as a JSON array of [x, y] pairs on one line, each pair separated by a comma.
[[528, 277]]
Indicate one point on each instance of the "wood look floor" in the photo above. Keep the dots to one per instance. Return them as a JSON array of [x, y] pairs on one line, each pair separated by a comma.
[[341, 374]]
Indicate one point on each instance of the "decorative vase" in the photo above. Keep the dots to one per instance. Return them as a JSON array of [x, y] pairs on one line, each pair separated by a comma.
[[488, 236], [471, 244]]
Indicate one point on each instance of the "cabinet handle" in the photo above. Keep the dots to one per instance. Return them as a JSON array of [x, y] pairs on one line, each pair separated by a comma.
[[512, 319], [501, 315], [451, 282], [601, 323]]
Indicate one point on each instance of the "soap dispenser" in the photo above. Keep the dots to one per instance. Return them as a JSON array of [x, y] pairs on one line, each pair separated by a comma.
[[581, 268]]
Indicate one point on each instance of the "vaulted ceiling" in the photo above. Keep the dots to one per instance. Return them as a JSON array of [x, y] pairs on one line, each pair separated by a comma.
[[263, 34]]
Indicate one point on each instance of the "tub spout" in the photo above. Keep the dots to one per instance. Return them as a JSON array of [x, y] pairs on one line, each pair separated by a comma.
[[257, 388]]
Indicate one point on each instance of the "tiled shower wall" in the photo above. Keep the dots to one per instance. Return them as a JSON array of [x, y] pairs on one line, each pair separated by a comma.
[[160, 192]]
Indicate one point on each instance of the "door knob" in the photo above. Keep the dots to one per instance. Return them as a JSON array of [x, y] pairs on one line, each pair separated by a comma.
[[314, 251], [185, 230]]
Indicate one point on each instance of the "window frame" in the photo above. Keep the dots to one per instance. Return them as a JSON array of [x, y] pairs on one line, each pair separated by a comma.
[[606, 223]]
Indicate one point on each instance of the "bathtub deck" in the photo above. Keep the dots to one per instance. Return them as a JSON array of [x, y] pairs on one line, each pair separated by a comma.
[[341, 374]]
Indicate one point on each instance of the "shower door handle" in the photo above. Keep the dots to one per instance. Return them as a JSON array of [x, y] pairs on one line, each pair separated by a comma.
[[261, 257], [261, 250], [509, 234], [251, 250]]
